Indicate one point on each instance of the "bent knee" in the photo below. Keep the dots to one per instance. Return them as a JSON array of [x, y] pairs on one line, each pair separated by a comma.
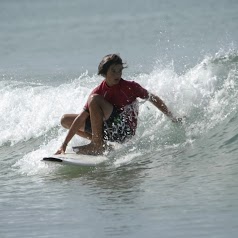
[[66, 121], [99, 102], [95, 98], [63, 120]]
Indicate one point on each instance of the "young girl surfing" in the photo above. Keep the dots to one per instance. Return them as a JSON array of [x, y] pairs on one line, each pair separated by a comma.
[[111, 111]]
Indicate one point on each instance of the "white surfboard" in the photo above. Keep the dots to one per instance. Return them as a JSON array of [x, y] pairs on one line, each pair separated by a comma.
[[77, 159]]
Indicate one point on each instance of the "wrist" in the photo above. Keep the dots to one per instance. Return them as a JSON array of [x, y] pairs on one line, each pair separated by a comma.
[[64, 144]]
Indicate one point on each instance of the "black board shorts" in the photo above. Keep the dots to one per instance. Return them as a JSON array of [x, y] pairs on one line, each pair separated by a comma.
[[115, 128]]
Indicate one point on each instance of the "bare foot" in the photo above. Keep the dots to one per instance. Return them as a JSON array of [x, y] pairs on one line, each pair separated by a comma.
[[91, 149]]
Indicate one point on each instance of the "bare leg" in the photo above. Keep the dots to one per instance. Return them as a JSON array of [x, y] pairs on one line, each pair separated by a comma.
[[99, 110], [75, 123], [68, 119]]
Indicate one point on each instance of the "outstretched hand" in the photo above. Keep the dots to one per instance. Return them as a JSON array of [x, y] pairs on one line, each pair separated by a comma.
[[61, 150]]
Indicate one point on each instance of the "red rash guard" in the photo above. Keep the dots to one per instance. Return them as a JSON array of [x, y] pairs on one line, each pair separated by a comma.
[[120, 95]]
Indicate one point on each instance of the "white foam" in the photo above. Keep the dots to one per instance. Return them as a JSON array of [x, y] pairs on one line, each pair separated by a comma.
[[205, 94], [30, 111]]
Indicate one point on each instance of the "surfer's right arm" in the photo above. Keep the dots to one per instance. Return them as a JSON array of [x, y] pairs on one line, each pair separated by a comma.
[[75, 126], [159, 103]]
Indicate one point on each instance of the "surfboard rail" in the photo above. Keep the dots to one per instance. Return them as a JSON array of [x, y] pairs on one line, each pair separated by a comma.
[[76, 159]]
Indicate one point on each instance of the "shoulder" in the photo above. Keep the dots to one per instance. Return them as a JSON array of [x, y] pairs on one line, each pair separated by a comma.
[[138, 90], [132, 84], [129, 83]]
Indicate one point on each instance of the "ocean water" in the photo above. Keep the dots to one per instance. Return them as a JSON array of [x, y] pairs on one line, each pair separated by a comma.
[[170, 180]]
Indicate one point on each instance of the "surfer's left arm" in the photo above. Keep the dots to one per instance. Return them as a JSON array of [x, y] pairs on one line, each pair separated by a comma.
[[159, 103]]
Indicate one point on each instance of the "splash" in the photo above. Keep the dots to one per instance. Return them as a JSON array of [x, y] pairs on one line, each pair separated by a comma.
[[206, 94], [30, 111]]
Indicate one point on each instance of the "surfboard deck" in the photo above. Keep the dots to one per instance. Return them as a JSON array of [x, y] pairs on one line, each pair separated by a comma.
[[76, 159]]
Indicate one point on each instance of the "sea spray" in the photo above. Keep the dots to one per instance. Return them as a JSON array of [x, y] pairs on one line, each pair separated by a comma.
[[206, 95], [30, 111]]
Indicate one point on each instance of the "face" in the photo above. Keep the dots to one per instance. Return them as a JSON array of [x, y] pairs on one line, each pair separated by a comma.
[[113, 75]]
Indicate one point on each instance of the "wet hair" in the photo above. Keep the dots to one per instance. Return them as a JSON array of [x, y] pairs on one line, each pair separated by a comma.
[[107, 61]]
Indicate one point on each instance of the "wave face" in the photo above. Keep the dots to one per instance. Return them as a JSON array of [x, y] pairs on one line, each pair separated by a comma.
[[206, 95]]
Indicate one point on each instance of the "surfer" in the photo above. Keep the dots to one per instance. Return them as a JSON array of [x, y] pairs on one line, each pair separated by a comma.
[[111, 111]]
